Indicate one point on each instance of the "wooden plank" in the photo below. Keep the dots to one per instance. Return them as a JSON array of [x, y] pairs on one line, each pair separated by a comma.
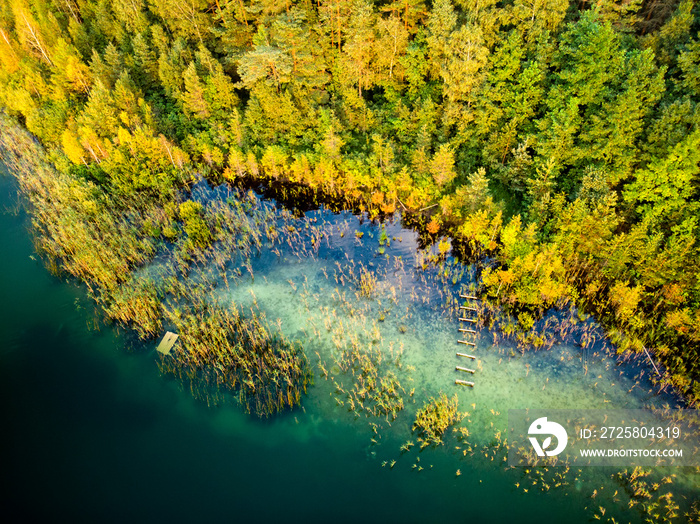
[[472, 371], [464, 383], [467, 320], [466, 356], [468, 297], [466, 343], [463, 330], [167, 343]]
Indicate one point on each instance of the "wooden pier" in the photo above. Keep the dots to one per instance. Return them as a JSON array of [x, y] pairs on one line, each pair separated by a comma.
[[167, 343], [465, 309]]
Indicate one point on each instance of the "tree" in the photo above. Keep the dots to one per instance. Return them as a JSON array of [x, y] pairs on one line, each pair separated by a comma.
[[30, 33], [441, 22], [442, 166], [193, 96], [265, 62], [488, 16], [131, 13], [100, 115], [144, 64], [408, 11], [675, 32], [359, 51], [393, 40], [291, 33], [185, 18], [533, 17], [463, 68], [622, 14], [598, 103], [508, 100], [334, 16], [688, 61], [70, 73], [666, 192]]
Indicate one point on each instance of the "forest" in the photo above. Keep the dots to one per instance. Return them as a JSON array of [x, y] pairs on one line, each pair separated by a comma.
[[555, 141]]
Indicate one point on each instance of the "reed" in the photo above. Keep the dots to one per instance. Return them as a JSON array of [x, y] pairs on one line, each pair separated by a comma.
[[223, 350], [433, 419]]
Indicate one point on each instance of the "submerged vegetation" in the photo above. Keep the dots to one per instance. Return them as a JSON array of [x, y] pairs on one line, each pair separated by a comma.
[[223, 349], [433, 419]]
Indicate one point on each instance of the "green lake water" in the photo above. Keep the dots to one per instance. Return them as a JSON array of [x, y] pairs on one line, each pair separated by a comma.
[[94, 433]]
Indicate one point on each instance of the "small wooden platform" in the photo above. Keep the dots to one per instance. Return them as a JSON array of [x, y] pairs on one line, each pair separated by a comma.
[[167, 343]]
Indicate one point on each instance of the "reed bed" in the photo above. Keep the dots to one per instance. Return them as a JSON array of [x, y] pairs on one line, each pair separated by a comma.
[[225, 350], [433, 419]]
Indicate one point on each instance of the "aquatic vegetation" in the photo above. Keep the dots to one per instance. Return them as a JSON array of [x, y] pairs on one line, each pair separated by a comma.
[[374, 389], [226, 350], [197, 230], [136, 303], [368, 284], [433, 419], [652, 496], [78, 228]]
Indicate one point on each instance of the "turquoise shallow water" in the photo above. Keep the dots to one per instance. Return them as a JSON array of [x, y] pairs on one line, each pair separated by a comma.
[[93, 432]]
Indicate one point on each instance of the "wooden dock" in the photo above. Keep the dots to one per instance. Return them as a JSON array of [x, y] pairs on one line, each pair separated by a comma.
[[167, 343], [469, 334]]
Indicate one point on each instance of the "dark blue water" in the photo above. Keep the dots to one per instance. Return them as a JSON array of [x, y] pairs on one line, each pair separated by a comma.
[[93, 433]]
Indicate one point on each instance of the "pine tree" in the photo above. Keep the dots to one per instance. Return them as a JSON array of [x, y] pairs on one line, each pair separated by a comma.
[[291, 33], [410, 12], [193, 95], [265, 62], [359, 51]]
